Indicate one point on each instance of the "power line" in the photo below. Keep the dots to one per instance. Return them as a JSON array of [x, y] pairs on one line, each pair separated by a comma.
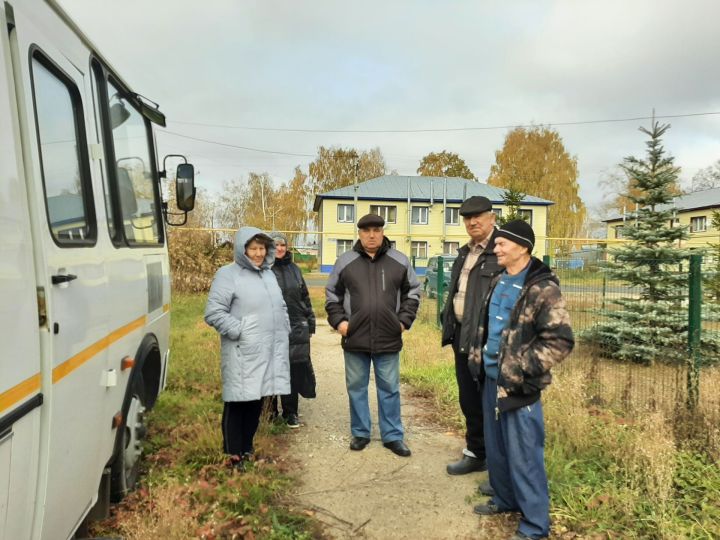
[[235, 145], [443, 130]]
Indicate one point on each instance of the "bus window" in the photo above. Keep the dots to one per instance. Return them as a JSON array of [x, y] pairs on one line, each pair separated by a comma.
[[97, 80], [66, 179], [136, 185]]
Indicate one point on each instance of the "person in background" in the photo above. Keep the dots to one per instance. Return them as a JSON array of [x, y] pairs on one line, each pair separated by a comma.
[[472, 272], [526, 332], [302, 326], [371, 298], [245, 305]]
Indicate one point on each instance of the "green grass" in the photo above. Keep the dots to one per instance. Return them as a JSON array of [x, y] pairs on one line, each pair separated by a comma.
[[187, 490]]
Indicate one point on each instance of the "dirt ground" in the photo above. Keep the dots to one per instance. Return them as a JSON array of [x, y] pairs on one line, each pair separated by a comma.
[[373, 493]]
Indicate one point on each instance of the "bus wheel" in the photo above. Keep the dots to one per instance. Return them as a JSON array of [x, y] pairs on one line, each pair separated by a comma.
[[126, 468]]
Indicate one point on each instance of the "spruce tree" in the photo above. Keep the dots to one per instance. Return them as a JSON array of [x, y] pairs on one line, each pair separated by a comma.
[[513, 199], [650, 323]]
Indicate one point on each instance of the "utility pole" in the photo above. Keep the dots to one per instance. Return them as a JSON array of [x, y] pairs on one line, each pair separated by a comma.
[[356, 171]]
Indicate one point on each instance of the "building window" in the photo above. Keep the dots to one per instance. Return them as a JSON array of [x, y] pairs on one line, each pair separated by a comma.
[[418, 250], [497, 212], [526, 215], [451, 248], [65, 174], [619, 232], [698, 224], [344, 246], [420, 215], [452, 216], [388, 213], [346, 213]]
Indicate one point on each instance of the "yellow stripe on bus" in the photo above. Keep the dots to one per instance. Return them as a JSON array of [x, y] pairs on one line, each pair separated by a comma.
[[166, 308], [83, 356], [19, 392]]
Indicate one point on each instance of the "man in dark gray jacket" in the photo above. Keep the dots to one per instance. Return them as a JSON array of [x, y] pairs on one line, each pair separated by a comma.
[[470, 279], [372, 297]]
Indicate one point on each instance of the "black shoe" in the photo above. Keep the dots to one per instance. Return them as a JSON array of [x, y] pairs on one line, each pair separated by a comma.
[[488, 509], [398, 447], [358, 443], [486, 489], [292, 421], [466, 465]]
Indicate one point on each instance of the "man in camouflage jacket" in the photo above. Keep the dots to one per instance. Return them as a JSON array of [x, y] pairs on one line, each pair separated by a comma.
[[526, 331]]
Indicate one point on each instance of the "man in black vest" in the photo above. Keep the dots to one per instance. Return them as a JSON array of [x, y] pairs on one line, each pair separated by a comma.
[[470, 279]]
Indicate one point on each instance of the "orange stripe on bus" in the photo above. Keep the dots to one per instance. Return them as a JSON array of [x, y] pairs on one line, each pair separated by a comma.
[[83, 356], [19, 392]]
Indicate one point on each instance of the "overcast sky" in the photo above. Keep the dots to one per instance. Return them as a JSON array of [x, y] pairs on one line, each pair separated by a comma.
[[401, 65]]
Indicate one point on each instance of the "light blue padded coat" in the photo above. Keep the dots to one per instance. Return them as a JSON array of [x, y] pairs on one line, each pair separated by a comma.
[[246, 307]]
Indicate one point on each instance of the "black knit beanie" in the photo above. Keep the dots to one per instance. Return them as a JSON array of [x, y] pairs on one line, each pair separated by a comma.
[[518, 231]]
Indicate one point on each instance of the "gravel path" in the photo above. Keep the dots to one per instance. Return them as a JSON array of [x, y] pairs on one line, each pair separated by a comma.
[[373, 493]]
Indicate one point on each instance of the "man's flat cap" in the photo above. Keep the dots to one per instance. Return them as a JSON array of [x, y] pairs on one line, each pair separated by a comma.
[[475, 205], [371, 220]]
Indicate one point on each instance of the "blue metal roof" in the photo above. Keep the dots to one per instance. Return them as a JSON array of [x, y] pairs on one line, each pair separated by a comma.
[[423, 188]]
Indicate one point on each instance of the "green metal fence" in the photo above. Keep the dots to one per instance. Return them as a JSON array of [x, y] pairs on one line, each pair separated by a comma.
[[669, 357]]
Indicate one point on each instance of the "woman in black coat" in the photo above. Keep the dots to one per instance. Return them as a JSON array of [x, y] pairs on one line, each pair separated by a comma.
[[302, 326]]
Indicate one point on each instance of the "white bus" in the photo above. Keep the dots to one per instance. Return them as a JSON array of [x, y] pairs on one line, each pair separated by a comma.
[[84, 274]]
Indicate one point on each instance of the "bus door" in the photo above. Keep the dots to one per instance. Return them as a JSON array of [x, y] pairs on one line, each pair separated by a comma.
[[69, 240], [20, 324]]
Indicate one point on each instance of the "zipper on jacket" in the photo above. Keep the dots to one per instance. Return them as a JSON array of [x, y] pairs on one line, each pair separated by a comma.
[[372, 281], [382, 276]]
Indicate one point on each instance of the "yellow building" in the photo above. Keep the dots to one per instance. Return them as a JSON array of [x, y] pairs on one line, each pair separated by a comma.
[[693, 210], [421, 215]]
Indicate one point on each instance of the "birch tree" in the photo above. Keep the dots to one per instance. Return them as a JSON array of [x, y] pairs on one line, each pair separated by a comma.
[[535, 161]]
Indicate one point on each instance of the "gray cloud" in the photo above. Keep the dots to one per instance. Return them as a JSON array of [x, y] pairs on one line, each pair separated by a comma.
[[419, 64]]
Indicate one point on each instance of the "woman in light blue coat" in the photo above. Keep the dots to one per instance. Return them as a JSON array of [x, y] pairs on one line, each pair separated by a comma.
[[246, 307]]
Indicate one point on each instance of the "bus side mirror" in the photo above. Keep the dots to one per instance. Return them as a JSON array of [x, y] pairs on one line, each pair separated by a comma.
[[185, 187]]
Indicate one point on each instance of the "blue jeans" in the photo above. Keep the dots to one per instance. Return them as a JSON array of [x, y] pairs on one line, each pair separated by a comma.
[[515, 446], [387, 382]]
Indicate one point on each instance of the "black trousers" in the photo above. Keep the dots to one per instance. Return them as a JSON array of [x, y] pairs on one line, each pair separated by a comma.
[[239, 423], [470, 401]]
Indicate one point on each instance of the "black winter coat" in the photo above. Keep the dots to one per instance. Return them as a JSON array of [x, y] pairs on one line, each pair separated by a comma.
[[481, 276], [374, 296], [299, 307]]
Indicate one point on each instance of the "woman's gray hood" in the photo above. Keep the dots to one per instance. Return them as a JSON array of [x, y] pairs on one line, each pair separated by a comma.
[[242, 237]]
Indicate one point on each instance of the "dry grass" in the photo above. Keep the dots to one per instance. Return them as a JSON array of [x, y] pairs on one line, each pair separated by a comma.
[[641, 444], [166, 514], [629, 389]]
